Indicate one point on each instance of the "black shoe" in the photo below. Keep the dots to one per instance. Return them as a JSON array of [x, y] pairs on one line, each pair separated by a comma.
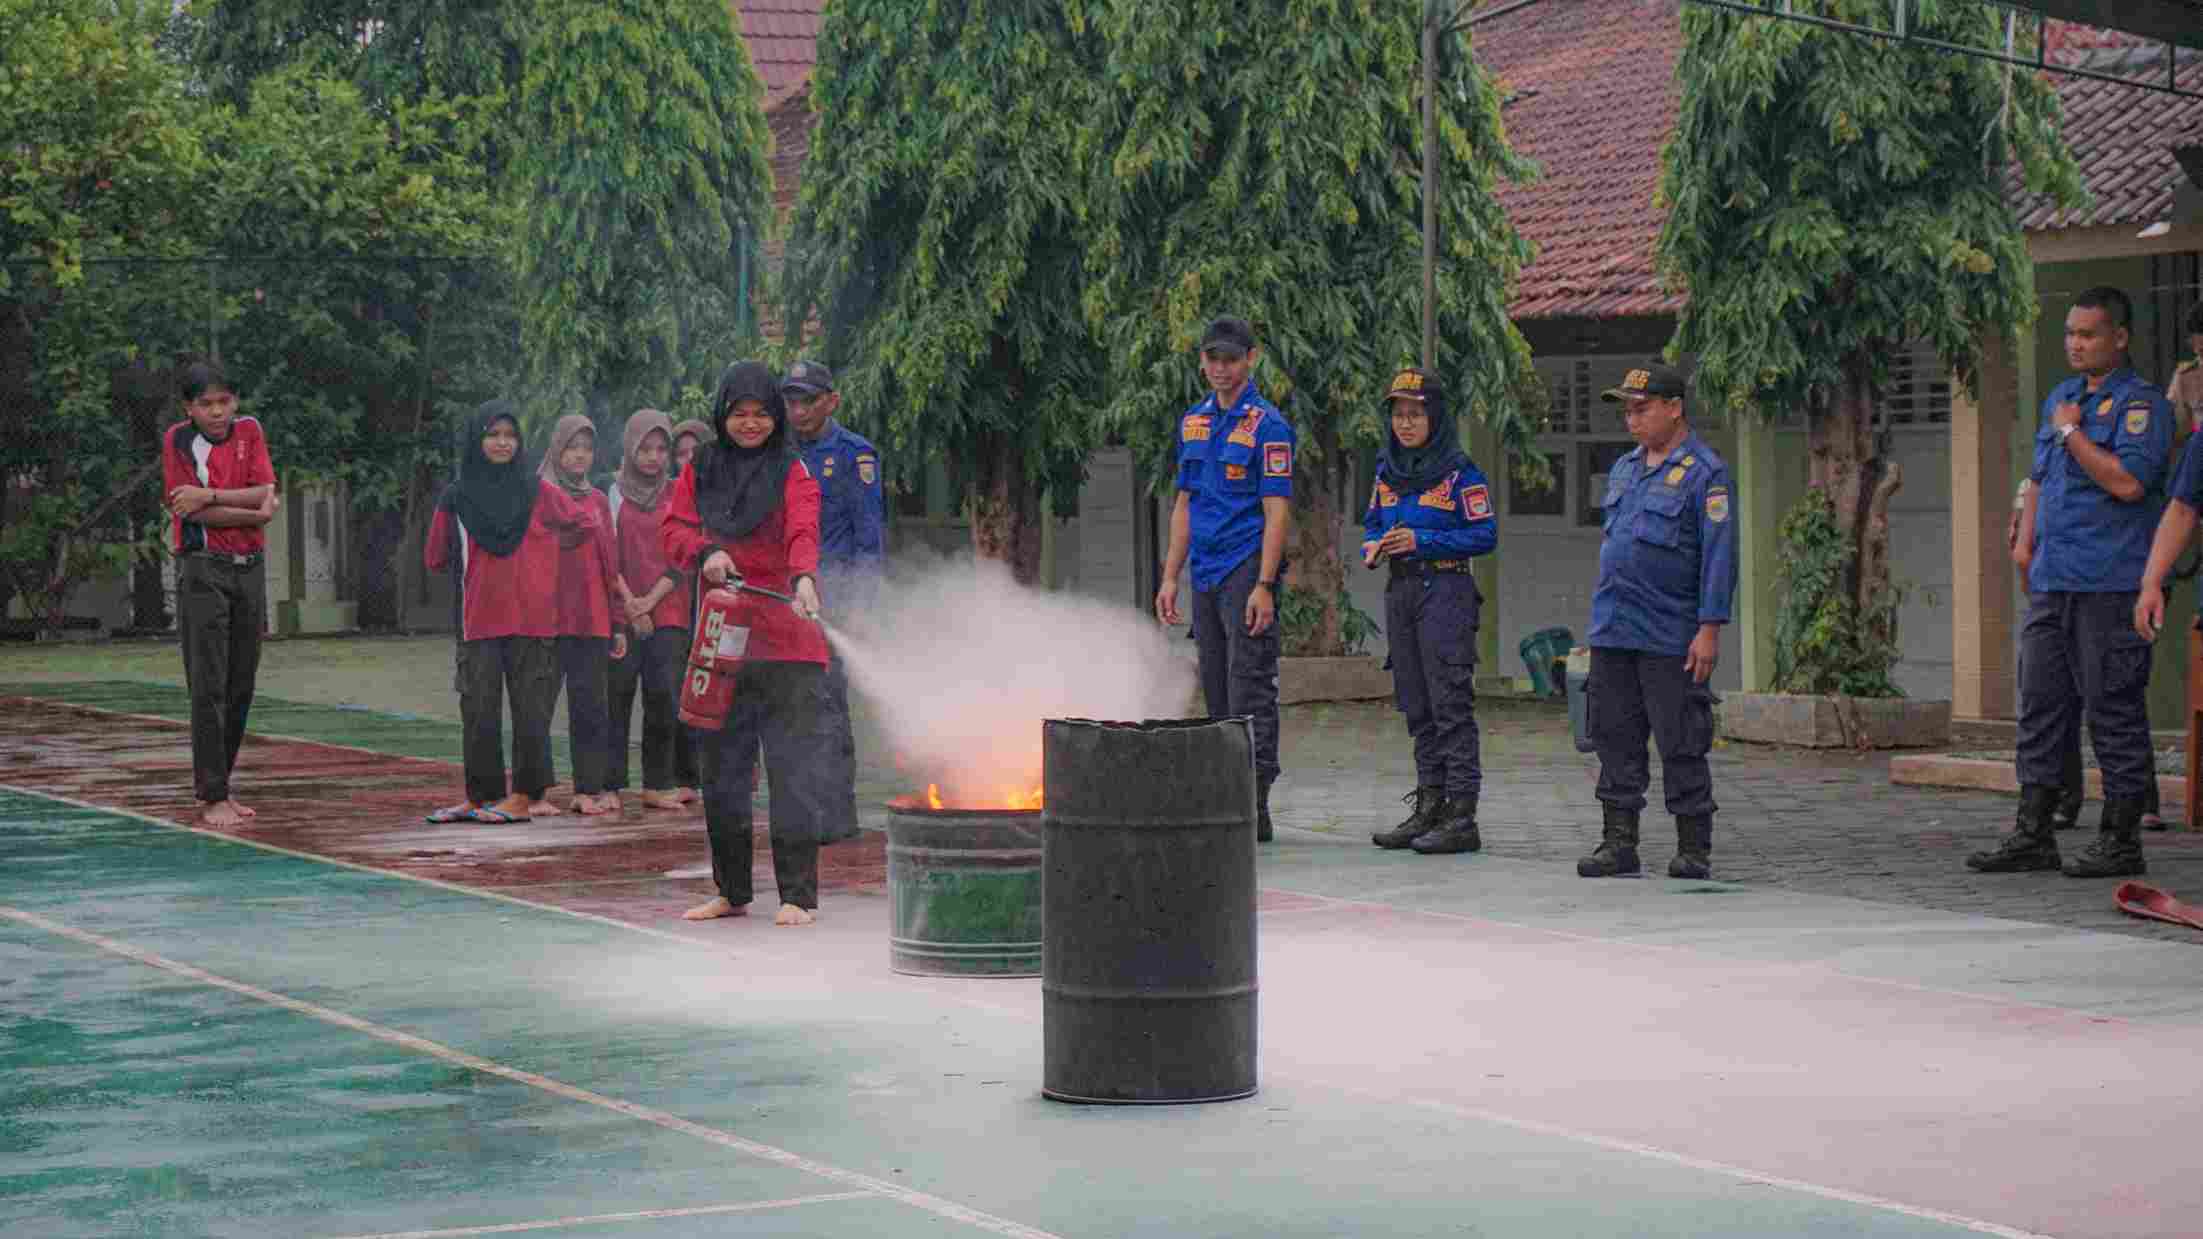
[[1426, 803], [1616, 855], [1262, 829], [1693, 848], [2067, 816], [1454, 830], [2031, 846], [2117, 851]]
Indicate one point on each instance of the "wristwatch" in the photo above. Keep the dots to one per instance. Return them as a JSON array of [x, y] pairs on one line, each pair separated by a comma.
[[1266, 584], [2066, 432]]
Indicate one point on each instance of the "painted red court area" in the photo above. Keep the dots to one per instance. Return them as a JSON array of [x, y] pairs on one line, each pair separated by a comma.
[[367, 808]]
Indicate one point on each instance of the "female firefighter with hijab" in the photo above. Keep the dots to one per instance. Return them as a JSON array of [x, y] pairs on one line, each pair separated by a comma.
[[1429, 516], [747, 509]]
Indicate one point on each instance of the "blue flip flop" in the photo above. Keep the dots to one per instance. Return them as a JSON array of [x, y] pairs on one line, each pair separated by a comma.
[[456, 813], [498, 817]]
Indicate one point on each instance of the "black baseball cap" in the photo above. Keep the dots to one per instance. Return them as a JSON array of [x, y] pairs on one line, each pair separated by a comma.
[[1648, 383], [1229, 335], [807, 378]]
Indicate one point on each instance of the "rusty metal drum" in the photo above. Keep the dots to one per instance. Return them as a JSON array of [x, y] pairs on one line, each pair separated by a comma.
[[1148, 988], [965, 890]]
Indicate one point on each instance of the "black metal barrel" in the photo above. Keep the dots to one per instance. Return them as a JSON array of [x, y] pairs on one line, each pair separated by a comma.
[[1148, 911]]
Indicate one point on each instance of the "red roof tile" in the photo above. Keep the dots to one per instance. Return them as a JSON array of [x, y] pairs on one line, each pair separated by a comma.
[[783, 40], [1593, 96], [2122, 137]]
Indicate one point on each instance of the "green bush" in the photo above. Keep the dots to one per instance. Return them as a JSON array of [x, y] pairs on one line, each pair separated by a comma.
[[1823, 645], [1300, 613]]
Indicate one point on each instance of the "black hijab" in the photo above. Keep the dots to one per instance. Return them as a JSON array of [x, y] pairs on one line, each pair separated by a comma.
[[738, 488], [493, 502], [1412, 472]]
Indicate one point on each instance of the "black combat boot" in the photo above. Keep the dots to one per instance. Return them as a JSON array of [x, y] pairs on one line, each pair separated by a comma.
[[2031, 845], [1262, 830], [1426, 803], [1452, 829], [1693, 847], [2117, 851], [1616, 855], [2067, 815]]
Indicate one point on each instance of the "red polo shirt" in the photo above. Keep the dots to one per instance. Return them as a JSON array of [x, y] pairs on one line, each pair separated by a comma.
[[588, 575], [643, 562], [771, 557], [236, 463], [512, 595]]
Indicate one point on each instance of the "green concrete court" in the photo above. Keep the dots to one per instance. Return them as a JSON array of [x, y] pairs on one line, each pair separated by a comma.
[[205, 1037]]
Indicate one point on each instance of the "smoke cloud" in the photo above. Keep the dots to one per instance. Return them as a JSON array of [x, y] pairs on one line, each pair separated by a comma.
[[960, 665]]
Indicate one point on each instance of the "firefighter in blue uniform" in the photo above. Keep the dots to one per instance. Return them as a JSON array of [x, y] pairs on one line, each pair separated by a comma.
[[1667, 574], [1234, 506], [1429, 515], [2084, 542], [852, 549]]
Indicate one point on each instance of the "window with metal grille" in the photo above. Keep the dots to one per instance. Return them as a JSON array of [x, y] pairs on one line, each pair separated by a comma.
[[1919, 391]]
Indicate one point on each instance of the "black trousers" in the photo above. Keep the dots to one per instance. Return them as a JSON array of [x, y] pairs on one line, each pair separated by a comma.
[[525, 670], [652, 668], [781, 707], [221, 607], [1633, 696], [1431, 621], [584, 665], [1239, 672], [2079, 654]]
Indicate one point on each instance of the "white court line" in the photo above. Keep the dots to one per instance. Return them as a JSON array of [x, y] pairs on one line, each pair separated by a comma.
[[1741, 1173], [421, 1045], [640, 1215]]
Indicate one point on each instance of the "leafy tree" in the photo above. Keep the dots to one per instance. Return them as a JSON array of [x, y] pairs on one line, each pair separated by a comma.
[[939, 237], [647, 188], [1831, 197], [1266, 165]]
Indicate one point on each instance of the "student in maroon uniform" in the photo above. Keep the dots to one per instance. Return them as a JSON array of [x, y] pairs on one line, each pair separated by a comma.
[[657, 612], [687, 437], [221, 494], [504, 527], [592, 619], [749, 508]]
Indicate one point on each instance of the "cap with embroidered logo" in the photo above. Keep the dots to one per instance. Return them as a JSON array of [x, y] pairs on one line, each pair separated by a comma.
[[1648, 383], [1412, 384]]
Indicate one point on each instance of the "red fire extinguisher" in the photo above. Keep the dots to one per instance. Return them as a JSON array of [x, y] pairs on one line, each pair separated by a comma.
[[723, 621]]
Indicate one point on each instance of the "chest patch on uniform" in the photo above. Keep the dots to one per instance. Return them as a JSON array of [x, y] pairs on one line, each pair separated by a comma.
[[1243, 434], [868, 470], [1688, 461], [1717, 506], [1386, 496], [1478, 500], [826, 467], [1235, 473], [1675, 475], [1439, 496], [2137, 417], [1277, 461], [2104, 409], [1197, 428]]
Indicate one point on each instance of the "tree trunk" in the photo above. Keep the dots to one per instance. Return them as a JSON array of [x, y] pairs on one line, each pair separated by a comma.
[[1319, 573], [1005, 509], [143, 392], [1859, 480]]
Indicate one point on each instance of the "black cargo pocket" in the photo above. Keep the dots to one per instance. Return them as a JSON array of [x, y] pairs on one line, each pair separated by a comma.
[[2126, 668], [1698, 703]]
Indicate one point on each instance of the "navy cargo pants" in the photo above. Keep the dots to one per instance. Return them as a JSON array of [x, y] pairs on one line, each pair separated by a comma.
[[1430, 620], [1239, 672], [2079, 653], [1636, 695]]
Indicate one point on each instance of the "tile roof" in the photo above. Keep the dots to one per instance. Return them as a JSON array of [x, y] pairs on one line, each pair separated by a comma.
[[2122, 137], [783, 40], [1592, 98]]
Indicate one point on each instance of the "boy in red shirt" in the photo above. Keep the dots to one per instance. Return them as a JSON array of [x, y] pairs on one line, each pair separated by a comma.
[[221, 495]]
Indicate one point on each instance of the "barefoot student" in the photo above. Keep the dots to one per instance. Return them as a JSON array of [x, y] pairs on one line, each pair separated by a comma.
[[504, 527], [221, 494], [592, 616], [656, 612], [748, 508], [687, 437]]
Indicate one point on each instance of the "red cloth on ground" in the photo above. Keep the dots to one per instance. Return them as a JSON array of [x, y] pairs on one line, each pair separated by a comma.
[[236, 463], [512, 595], [771, 557], [643, 560]]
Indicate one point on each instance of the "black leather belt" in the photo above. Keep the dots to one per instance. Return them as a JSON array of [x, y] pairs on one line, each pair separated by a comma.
[[224, 557], [1402, 568]]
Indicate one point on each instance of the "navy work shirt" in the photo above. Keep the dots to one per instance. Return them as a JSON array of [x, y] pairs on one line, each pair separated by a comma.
[[1668, 561], [852, 513], [1452, 520], [2085, 540], [1228, 463]]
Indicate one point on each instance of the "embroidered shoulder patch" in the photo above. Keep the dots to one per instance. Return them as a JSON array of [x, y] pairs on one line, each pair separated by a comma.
[[1277, 460], [1196, 429], [1385, 497], [2137, 417], [1717, 506], [1477, 500], [868, 470]]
